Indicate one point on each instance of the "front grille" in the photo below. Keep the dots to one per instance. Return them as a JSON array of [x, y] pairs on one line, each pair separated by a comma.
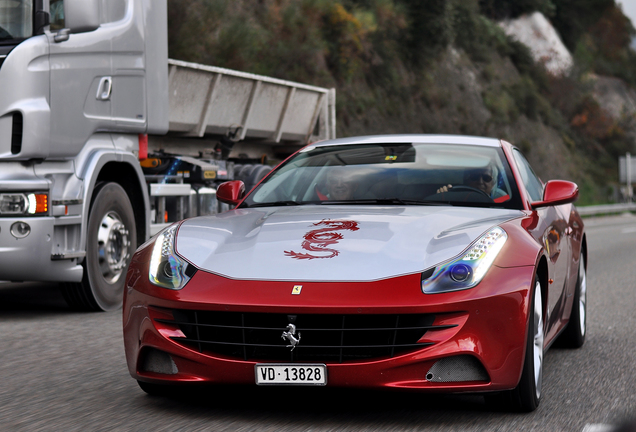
[[323, 338]]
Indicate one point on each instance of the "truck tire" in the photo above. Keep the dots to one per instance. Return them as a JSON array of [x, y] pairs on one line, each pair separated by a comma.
[[243, 173], [111, 239], [256, 175]]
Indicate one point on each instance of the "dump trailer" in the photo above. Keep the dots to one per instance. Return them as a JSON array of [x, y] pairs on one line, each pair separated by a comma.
[[104, 140]]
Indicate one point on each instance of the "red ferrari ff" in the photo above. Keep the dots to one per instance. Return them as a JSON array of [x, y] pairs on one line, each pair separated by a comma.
[[430, 262]]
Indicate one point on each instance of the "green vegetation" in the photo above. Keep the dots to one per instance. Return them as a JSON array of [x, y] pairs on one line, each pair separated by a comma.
[[434, 66]]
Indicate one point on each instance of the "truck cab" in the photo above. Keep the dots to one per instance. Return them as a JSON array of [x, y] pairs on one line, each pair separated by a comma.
[[104, 140], [75, 92]]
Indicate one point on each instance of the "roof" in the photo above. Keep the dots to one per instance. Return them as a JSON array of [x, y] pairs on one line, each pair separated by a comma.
[[411, 138]]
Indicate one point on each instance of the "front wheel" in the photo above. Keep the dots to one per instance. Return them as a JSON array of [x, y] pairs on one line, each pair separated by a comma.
[[155, 389], [527, 395], [574, 334], [110, 242]]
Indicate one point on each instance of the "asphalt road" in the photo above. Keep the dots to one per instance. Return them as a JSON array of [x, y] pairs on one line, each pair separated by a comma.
[[61, 370]]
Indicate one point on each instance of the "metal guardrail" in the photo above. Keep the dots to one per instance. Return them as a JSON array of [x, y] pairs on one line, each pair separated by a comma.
[[606, 209]]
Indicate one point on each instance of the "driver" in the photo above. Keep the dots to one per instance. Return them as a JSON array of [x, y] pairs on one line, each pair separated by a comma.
[[483, 179]]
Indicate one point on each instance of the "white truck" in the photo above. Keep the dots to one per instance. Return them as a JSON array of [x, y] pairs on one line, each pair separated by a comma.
[[104, 140]]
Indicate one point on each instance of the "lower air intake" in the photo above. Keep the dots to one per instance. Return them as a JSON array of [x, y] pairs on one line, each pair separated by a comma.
[[457, 369], [158, 362]]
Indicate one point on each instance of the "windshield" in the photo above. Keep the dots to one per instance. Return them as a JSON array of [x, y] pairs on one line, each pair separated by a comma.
[[392, 173], [16, 19]]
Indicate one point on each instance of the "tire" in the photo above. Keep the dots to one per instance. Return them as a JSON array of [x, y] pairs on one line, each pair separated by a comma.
[[155, 389], [237, 169], [574, 334], [111, 239], [244, 172], [527, 395], [256, 175]]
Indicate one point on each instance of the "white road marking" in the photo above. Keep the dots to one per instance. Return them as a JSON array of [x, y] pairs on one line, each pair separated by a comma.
[[598, 428]]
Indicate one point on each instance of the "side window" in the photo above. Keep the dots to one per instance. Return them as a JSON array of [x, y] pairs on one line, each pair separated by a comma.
[[57, 14], [530, 180]]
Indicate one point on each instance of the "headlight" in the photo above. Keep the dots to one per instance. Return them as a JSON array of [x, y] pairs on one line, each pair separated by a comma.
[[24, 204], [167, 269], [469, 270]]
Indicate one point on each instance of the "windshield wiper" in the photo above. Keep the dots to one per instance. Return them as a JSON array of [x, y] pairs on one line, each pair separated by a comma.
[[274, 204], [385, 201], [469, 204]]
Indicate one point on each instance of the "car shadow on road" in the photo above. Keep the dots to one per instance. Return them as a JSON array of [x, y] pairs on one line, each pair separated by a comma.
[[322, 406], [31, 298]]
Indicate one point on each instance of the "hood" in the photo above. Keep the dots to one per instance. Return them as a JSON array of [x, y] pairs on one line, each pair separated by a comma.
[[332, 243]]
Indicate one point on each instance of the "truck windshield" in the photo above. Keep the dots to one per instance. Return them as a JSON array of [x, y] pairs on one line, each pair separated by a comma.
[[16, 19]]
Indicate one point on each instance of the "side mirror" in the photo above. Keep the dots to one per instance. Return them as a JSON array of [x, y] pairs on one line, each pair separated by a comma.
[[558, 192], [231, 192], [81, 16], [40, 19]]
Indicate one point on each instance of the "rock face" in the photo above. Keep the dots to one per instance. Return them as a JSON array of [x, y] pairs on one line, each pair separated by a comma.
[[536, 32], [614, 96]]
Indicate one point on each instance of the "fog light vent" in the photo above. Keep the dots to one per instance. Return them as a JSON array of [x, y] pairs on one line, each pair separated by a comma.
[[158, 362], [457, 369], [20, 230]]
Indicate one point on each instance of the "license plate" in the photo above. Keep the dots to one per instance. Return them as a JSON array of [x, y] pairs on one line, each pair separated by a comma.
[[291, 374]]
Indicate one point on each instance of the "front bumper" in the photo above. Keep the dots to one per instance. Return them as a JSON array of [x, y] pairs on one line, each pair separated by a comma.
[[491, 324], [29, 258]]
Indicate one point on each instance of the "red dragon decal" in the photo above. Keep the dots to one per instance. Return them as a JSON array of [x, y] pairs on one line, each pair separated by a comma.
[[318, 239]]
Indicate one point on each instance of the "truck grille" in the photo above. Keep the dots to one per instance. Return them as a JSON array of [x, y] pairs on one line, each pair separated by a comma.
[[324, 338]]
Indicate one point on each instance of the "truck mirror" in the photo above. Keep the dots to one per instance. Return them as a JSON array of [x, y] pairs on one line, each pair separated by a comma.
[[40, 18], [81, 16]]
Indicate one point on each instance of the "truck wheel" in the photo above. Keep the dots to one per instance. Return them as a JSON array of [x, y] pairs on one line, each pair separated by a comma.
[[111, 240], [256, 176], [243, 173]]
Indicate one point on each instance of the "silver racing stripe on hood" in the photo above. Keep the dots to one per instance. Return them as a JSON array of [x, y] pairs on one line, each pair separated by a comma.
[[332, 243]]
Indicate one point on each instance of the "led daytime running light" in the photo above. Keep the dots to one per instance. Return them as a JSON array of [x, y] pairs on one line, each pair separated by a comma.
[[491, 248], [484, 244], [467, 271], [167, 269]]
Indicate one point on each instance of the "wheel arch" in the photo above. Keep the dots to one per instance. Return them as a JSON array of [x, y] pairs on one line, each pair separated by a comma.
[[542, 274], [584, 250], [124, 174], [123, 169]]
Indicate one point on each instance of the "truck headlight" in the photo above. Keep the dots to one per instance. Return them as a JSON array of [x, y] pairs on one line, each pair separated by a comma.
[[24, 204], [468, 270], [167, 269]]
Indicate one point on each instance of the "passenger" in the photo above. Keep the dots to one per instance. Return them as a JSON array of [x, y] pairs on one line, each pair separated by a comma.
[[340, 186]]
